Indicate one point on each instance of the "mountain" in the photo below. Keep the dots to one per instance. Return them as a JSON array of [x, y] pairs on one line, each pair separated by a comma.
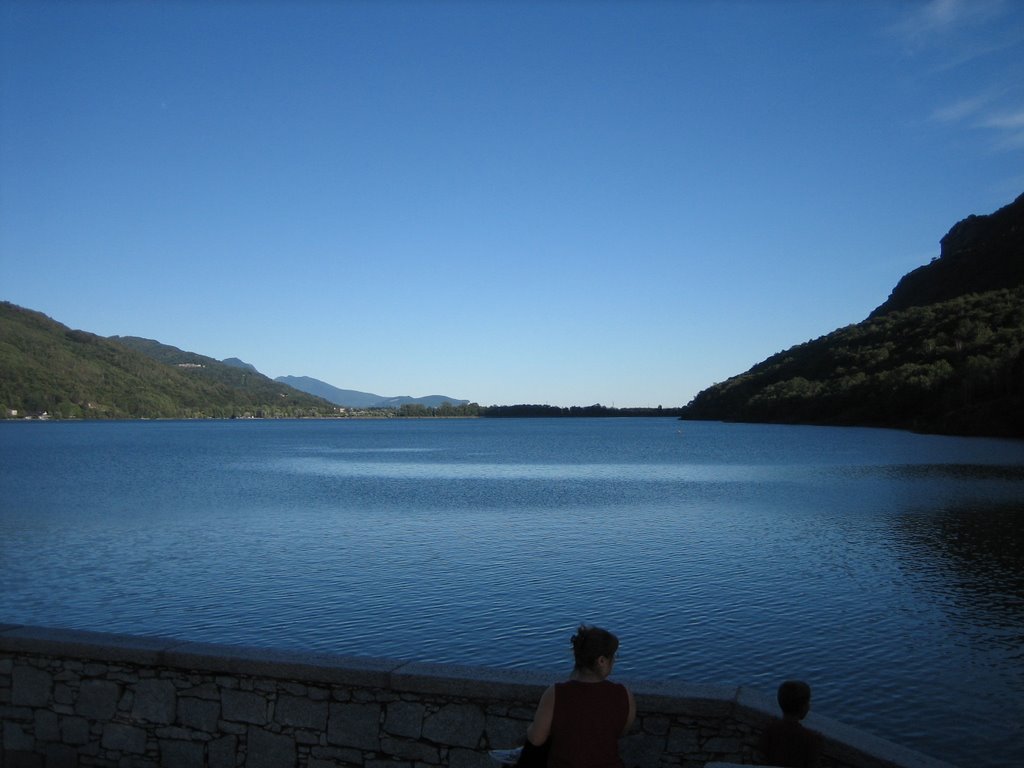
[[236, 363], [47, 367], [350, 398], [345, 397], [979, 254], [944, 353], [231, 373]]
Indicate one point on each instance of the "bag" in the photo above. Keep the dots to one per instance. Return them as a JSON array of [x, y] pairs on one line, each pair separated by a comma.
[[534, 757]]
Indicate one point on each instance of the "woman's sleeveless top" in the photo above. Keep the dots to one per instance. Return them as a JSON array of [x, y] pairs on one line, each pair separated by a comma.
[[589, 718]]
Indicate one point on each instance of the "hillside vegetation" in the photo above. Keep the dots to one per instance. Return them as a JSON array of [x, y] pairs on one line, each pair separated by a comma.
[[47, 367], [945, 352]]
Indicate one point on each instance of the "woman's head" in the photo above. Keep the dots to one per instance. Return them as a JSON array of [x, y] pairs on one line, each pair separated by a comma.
[[591, 643]]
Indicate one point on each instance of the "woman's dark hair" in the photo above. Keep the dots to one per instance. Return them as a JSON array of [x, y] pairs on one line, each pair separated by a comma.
[[590, 643]]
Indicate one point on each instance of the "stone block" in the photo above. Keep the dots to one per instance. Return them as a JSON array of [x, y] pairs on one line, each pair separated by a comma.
[[15, 713], [301, 712], [269, 750], [77, 644], [655, 724], [124, 704], [338, 755], [641, 749], [154, 701], [16, 739], [281, 665], [469, 758], [124, 738], [21, 759], [30, 686], [47, 725], [354, 725], [504, 732], [452, 680], [244, 707], [63, 694], [181, 754], [174, 733], [458, 725], [722, 745], [201, 714], [222, 752], [74, 730], [203, 691], [682, 741], [308, 738], [404, 718], [410, 750], [97, 699], [61, 756]]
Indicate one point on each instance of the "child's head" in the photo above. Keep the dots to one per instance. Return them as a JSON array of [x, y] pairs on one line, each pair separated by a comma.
[[795, 698]]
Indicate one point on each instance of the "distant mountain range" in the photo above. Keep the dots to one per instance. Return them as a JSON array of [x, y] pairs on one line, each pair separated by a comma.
[[352, 399], [944, 353]]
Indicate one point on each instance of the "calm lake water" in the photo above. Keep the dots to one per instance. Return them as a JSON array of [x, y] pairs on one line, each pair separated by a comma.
[[885, 568]]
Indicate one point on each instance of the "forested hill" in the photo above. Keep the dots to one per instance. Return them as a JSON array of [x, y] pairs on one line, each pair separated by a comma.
[[47, 367], [944, 353]]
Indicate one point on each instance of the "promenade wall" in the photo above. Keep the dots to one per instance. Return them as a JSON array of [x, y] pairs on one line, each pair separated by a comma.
[[70, 698]]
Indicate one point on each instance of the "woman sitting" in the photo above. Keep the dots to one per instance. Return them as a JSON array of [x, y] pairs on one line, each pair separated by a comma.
[[580, 721]]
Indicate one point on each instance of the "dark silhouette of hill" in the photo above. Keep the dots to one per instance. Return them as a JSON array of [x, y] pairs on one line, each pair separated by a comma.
[[944, 353], [47, 367], [979, 254]]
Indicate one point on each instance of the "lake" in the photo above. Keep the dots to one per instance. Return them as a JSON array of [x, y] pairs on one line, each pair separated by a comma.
[[883, 567]]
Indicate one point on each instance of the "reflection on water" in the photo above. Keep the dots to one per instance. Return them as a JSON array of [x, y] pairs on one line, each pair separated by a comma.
[[979, 550], [884, 567], [967, 560]]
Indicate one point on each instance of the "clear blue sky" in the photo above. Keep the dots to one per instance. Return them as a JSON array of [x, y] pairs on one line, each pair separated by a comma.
[[544, 202]]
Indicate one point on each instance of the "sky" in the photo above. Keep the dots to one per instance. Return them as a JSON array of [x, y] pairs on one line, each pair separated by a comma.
[[506, 202]]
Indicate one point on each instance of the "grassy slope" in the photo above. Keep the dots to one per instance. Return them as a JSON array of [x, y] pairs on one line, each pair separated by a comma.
[[45, 366]]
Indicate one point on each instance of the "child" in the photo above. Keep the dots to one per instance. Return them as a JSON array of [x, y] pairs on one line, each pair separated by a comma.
[[786, 742]]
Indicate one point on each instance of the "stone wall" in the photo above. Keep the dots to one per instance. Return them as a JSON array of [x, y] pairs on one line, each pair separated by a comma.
[[71, 698]]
